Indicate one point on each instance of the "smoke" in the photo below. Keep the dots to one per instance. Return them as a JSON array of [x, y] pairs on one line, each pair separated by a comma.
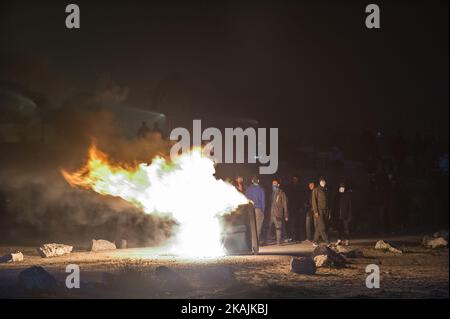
[[36, 203]]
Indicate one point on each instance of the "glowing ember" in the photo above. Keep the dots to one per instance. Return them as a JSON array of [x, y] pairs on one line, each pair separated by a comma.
[[185, 188]]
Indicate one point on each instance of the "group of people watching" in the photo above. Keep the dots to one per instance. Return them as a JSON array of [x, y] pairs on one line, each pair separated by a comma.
[[299, 209]]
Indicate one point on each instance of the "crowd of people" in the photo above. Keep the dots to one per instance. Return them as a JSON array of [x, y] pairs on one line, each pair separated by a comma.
[[299, 211]]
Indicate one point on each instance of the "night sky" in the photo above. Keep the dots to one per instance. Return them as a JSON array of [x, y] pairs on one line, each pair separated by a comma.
[[304, 66]]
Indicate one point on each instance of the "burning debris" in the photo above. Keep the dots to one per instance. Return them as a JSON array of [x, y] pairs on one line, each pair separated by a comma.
[[184, 189]]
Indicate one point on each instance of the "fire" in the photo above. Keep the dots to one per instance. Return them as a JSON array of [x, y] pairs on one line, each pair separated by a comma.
[[184, 188]]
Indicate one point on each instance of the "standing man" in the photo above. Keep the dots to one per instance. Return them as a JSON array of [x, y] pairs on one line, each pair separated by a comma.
[[256, 194], [278, 210], [296, 195], [342, 212], [309, 212], [320, 209]]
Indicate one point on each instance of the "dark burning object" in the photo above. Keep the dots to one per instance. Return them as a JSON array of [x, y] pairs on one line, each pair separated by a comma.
[[239, 236]]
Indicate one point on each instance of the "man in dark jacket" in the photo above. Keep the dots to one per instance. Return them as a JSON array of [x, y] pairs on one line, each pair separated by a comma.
[[256, 194], [296, 194], [321, 210], [278, 210], [309, 220], [342, 214]]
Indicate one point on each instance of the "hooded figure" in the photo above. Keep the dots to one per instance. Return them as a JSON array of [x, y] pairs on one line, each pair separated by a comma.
[[278, 210], [320, 210], [342, 213]]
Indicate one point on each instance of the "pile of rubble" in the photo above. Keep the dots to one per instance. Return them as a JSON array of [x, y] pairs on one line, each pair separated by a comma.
[[54, 250], [322, 256]]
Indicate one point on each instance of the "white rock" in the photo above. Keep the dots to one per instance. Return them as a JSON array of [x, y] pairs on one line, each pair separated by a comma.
[[382, 245], [101, 244], [436, 243], [17, 256], [53, 250]]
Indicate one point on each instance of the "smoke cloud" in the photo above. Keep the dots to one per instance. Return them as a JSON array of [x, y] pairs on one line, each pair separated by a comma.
[[36, 203]]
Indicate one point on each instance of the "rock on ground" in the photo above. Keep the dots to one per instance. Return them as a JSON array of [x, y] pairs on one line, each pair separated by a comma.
[[335, 259], [435, 242], [53, 250], [12, 257], [383, 245], [37, 278], [101, 244], [322, 261], [303, 265]]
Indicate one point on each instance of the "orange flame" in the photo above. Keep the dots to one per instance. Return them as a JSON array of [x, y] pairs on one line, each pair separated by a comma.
[[185, 188]]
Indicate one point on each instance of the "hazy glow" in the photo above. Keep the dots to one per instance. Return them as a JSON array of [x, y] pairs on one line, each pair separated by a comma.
[[185, 188]]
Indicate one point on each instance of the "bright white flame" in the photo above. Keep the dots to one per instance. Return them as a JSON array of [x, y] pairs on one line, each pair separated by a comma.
[[184, 188]]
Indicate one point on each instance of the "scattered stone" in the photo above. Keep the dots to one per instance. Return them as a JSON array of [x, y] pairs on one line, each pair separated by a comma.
[[383, 245], [303, 265], [12, 257], [322, 261], [435, 243], [16, 256], [335, 259], [37, 278], [101, 244], [53, 250]]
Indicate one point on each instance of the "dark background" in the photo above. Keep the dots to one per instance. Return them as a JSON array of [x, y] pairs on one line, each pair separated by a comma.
[[308, 67], [311, 68]]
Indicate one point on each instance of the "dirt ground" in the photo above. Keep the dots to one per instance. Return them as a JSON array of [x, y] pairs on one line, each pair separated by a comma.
[[130, 273]]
